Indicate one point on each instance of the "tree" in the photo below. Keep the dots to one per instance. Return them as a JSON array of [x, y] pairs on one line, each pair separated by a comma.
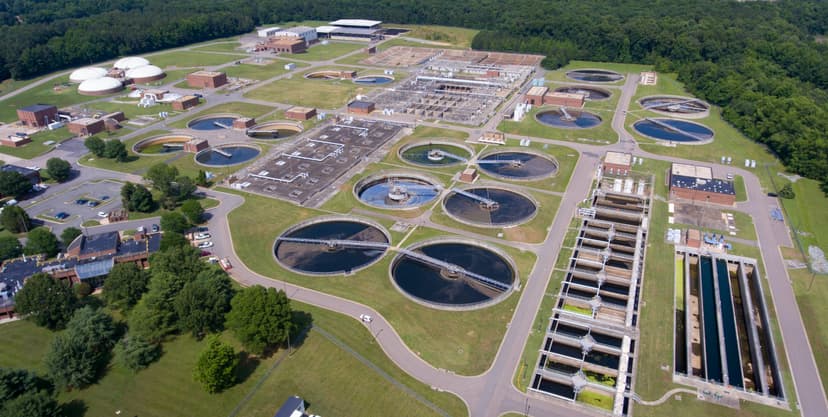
[[16, 382], [15, 219], [9, 248], [69, 234], [162, 176], [42, 241], [125, 285], [59, 169], [183, 188], [77, 355], [141, 200], [201, 178], [172, 240], [260, 318], [193, 210], [115, 149], [136, 353], [216, 366], [31, 404], [14, 184], [174, 222], [787, 192], [202, 304], [126, 194], [82, 289], [95, 145], [45, 301]]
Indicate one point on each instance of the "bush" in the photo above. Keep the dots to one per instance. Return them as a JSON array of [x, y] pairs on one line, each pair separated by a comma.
[[216, 366], [115, 149], [193, 210], [95, 145], [787, 192], [58, 169]]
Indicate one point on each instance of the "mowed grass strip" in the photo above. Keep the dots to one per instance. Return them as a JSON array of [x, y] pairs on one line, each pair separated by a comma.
[[332, 50], [57, 92], [187, 59], [300, 91], [260, 72], [464, 341]]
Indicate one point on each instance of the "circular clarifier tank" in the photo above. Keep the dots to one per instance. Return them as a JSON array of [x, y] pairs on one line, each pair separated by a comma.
[[324, 75], [590, 93], [568, 118], [373, 79], [674, 130], [213, 122], [595, 75], [518, 165], [274, 130], [676, 106], [489, 206], [453, 274], [161, 144], [226, 155], [435, 153], [397, 191], [328, 246]]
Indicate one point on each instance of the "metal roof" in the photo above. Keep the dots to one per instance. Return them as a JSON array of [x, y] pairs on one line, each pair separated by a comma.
[[291, 405], [38, 107], [20, 170], [359, 104], [353, 31], [94, 269], [356, 23], [710, 185]]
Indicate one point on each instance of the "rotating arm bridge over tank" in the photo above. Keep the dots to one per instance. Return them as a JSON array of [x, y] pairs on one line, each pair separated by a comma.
[[447, 266], [675, 129]]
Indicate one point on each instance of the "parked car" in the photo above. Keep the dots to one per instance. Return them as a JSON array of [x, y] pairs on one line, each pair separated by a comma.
[[62, 215], [81, 201], [104, 197], [365, 318], [92, 204], [155, 228], [205, 245], [202, 236], [103, 214], [11, 202]]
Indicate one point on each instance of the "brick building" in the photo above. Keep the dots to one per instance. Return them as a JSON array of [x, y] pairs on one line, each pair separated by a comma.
[[691, 182], [287, 45], [37, 115], [206, 79], [86, 126], [196, 145], [617, 163], [14, 141], [243, 123], [300, 113], [535, 95], [564, 99], [361, 107], [185, 103]]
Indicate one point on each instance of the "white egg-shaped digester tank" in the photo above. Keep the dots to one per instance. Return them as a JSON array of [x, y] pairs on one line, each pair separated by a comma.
[[130, 62], [100, 86], [88, 73]]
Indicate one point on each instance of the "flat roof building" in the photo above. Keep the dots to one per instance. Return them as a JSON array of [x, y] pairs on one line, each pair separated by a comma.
[[86, 126], [535, 95], [691, 182], [300, 113], [361, 107], [308, 34], [564, 99], [357, 23], [288, 45], [206, 79], [37, 115], [185, 103], [617, 163], [267, 32], [351, 29]]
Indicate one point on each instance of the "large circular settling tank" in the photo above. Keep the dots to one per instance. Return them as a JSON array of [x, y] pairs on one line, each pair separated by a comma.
[[396, 191], [373, 79], [274, 130], [161, 144], [590, 93], [435, 154], [673, 130], [217, 122], [568, 118], [226, 155], [324, 75], [595, 76], [453, 274], [517, 165], [677, 106], [489, 206], [330, 246]]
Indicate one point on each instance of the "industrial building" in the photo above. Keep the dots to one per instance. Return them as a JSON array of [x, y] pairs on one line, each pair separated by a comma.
[[307, 34], [351, 29], [361, 107], [267, 32], [130, 62], [535, 95], [14, 141], [564, 99], [617, 163], [86, 126], [692, 182], [185, 103], [196, 145], [206, 79], [89, 258], [300, 113], [37, 115], [32, 175], [287, 45]]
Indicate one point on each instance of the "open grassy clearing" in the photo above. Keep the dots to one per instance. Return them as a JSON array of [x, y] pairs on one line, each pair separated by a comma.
[[229, 46], [300, 91], [37, 146], [260, 72], [464, 342], [66, 95], [188, 59], [624, 69], [319, 370], [244, 109], [529, 126], [449, 36], [320, 52]]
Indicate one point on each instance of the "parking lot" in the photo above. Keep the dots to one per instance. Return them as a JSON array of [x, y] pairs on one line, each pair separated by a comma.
[[77, 204]]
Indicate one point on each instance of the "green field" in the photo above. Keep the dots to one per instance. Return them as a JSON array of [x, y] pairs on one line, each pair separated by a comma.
[[37, 146], [259, 72], [188, 59], [229, 46], [43, 94], [463, 341], [299, 91], [320, 52], [320, 370], [445, 36]]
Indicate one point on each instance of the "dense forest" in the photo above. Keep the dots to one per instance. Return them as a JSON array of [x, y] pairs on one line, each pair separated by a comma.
[[762, 61]]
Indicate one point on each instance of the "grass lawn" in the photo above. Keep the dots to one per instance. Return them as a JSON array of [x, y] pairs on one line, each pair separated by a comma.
[[188, 59], [596, 399], [529, 126], [229, 46], [43, 93], [37, 146], [460, 38], [463, 341], [320, 52], [319, 370], [300, 91], [560, 74], [244, 109], [259, 72]]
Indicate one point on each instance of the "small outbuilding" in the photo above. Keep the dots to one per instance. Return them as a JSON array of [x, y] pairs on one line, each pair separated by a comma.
[[361, 107], [617, 163], [290, 45], [86, 126], [300, 113], [37, 115], [185, 103], [196, 145], [206, 79]]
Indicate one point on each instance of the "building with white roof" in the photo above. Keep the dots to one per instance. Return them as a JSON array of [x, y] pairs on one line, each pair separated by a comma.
[[308, 34], [357, 23], [267, 32], [88, 73], [351, 29]]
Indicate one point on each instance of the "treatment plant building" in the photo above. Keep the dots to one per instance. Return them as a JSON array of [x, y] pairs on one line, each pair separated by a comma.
[[692, 182]]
